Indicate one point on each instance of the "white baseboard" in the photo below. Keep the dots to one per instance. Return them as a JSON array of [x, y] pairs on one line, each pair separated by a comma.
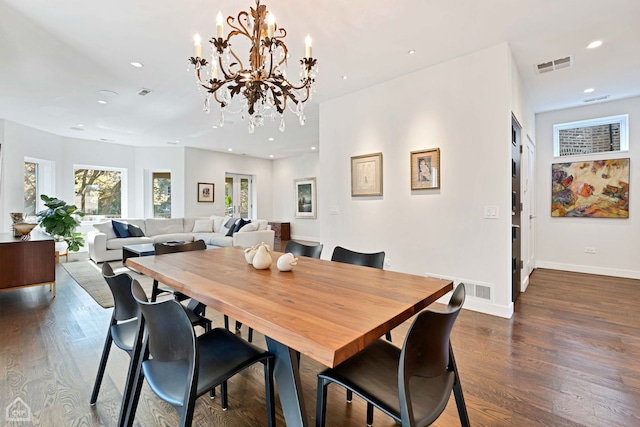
[[603, 271], [305, 238], [482, 307]]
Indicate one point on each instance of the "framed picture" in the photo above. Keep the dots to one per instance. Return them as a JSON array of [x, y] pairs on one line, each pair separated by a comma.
[[366, 175], [205, 192], [592, 188], [304, 192], [425, 169]]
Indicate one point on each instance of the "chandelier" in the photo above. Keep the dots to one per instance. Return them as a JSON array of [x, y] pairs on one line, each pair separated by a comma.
[[262, 87]]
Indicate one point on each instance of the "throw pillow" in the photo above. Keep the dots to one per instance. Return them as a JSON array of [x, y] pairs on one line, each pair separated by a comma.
[[135, 231], [241, 224], [250, 227], [231, 226], [121, 228], [203, 226]]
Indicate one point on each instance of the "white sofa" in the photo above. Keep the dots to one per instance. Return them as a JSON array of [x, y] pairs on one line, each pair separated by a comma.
[[105, 245]]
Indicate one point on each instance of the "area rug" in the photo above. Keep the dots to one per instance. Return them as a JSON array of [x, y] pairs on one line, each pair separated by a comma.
[[89, 276]]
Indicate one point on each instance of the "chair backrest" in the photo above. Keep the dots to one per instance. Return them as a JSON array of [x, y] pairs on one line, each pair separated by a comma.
[[169, 248], [124, 306], [375, 260], [170, 338], [427, 350], [300, 249]]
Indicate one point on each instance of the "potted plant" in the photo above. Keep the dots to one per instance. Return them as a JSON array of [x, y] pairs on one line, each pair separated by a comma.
[[60, 221]]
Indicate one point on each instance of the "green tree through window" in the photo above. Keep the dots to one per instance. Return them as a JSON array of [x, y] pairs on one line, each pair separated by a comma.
[[99, 192]]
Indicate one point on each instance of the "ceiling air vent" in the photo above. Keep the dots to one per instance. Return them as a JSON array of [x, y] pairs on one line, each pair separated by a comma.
[[600, 98], [144, 92], [556, 64]]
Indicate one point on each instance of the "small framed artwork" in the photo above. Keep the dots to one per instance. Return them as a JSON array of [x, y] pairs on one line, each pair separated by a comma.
[[305, 197], [205, 192], [304, 192], [366, 175], [425, 169]]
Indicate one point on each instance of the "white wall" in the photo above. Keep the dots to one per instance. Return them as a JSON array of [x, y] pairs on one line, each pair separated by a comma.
[[285, 171], [210, 166], [464, 108], [562, 241]]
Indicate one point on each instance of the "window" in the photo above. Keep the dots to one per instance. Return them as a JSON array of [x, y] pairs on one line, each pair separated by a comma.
[[39, 178], [98, 192], [30, 188], [238, 195], [161, 194], [601, 135]]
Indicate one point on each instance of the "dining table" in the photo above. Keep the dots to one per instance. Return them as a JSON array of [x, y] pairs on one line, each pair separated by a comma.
[[324, 310]]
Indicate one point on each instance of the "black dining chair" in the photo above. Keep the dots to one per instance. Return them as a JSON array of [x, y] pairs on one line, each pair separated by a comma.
[[373, 260], [180, 367], [196, 310], [124, 329], [300, 249], [413, 384]]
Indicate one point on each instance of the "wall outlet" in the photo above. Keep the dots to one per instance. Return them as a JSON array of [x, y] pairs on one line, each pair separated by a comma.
[[387, 264], [589, 250], [491, 212]]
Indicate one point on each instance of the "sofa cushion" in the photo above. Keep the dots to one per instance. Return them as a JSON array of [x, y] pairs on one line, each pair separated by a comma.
[[222, 241], [203, 226], [135, 231], [228, 226], [218, 221], [263, 224], [106, 228], [156, 226]]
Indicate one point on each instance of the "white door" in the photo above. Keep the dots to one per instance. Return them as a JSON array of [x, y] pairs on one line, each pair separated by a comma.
[[238, 192], [531, 198]]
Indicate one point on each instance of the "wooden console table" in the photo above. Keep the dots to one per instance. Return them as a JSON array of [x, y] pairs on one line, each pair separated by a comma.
[[282, 229], [27, 262]]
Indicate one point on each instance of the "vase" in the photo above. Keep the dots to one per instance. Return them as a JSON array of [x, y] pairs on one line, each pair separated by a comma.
[[16, 218], [262, 258]]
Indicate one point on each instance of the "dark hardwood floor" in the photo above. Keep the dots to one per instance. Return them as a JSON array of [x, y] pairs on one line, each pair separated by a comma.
[[568, 357]]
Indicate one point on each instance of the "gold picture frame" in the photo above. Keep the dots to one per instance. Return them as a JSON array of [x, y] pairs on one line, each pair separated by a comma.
[[366, 175], [425, 169], [205, 192]]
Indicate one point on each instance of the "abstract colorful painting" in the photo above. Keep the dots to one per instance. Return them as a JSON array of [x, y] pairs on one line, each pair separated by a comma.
[[596, 189]]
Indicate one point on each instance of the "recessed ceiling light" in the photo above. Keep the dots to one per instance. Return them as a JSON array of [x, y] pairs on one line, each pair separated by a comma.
[[594, 44], [101, 101], [411, 52], [271, 155], [173, 142], [136, 64], [214, 126], [344, 77], [270, 139], [313, 148], [80, 125], [589, 90], [229, 149]]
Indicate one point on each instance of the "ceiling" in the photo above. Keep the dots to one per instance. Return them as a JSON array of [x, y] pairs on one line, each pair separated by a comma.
[[56, 57]]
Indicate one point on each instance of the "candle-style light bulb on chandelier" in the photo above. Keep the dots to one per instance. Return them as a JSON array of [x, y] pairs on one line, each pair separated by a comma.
[[264, 88]]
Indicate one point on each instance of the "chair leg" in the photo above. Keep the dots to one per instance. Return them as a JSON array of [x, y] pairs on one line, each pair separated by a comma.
[[321, 402], [250, 338], [349, 396], [223, 396], [269, 390], [369, 414], [457, 391], [238, 325], [154, 291], [226, 322], [388, 336], [102, 366]]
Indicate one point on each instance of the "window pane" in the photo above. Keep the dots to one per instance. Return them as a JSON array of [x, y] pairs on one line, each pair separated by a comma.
[[590, 139], [228, 196], [162, 195], [30, 188], [99, 192]]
